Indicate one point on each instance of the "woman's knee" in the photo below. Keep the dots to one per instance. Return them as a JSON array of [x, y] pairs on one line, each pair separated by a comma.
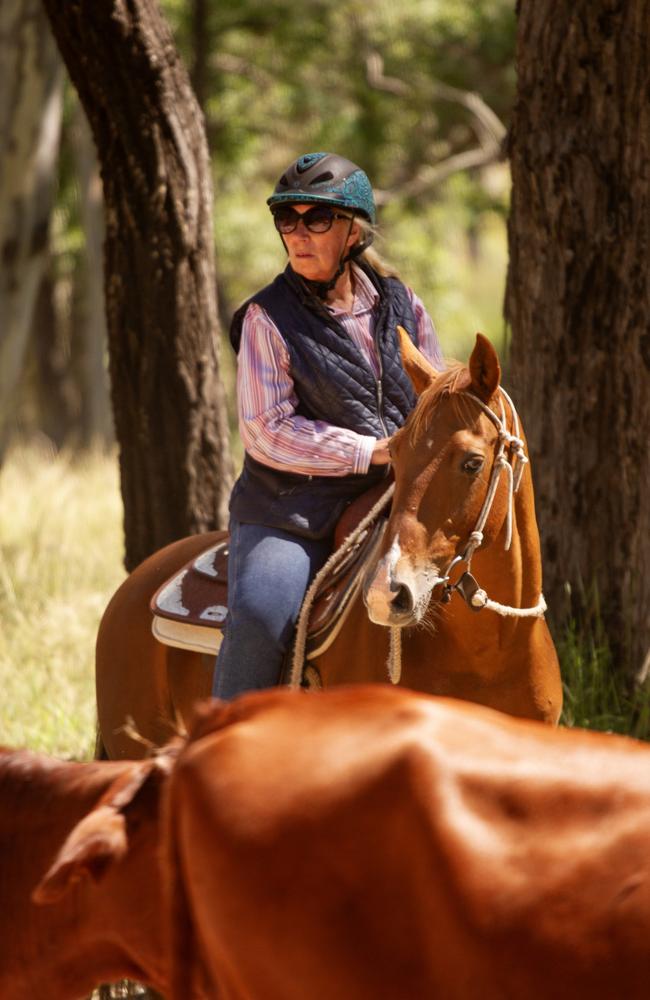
[[266, 617]]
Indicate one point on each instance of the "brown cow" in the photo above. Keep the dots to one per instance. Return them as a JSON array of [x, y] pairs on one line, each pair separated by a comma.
[[103, 820], [374, 844]]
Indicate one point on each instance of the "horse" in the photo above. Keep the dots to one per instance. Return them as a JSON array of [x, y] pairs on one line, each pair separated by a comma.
[[452, 604]]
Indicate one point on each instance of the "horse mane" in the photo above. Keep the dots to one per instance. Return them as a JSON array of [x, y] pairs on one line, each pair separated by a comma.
[[450, 383]]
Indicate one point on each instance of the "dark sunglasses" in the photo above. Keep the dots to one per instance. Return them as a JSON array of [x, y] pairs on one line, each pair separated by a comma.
[[318, 219]]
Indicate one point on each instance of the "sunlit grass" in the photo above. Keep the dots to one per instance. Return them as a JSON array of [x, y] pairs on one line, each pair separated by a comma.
[[60, 560]]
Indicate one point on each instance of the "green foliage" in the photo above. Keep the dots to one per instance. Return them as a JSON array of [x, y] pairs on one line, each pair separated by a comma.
[[596, 695], [282, 78], [458, 270], [285, 77]]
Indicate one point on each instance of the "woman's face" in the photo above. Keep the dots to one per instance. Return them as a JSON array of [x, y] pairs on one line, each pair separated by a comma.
[[316, 256]]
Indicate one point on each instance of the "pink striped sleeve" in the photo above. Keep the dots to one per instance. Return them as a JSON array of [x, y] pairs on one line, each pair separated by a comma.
[[427, 337], [271, 430]]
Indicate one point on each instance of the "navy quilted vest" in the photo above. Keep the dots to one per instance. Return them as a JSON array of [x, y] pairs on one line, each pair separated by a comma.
[[334, 382]]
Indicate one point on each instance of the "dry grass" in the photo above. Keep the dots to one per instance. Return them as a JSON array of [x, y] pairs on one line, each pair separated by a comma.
[[60, 560]]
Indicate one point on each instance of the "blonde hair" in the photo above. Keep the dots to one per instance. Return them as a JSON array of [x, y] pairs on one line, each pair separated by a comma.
[[371, 255]]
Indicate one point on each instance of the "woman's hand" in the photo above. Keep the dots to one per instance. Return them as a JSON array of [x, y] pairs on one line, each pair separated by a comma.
[[380, 453]]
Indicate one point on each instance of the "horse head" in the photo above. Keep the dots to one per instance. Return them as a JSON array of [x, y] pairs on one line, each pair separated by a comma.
[[449, 496]]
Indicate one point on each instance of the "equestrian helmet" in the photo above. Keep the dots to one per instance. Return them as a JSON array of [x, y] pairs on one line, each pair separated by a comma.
[[329, 179]]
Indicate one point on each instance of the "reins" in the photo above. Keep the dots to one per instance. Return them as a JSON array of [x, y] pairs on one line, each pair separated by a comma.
[[511, 446], [333, 561]]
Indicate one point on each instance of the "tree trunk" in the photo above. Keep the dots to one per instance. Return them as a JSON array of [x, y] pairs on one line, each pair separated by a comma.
[[168, 402], [97, 421], [578, 302], [31, 103]]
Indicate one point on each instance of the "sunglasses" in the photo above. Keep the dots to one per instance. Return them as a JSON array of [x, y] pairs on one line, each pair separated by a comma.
[[318, 219]]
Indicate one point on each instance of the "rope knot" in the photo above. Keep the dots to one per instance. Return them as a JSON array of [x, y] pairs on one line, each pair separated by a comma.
[[516, 443]]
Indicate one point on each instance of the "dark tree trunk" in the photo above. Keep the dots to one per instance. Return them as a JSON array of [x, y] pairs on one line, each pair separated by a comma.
[[168, 401], [578, 301]]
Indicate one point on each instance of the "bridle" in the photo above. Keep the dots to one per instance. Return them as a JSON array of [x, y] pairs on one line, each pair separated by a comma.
[[510, 458]]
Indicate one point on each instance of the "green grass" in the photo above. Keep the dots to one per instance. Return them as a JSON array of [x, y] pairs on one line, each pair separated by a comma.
[[595, 695], [60, 560]]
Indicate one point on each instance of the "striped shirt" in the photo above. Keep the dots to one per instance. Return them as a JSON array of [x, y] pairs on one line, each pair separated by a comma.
[[271, 430]]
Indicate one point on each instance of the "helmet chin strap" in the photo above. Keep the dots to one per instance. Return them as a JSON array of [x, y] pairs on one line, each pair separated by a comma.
[[321, 288]]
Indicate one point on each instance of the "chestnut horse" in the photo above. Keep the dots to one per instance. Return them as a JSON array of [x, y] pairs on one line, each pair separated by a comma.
[[477, 635]]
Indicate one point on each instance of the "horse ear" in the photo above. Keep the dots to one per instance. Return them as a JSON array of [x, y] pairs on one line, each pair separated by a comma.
[[484, 368], [416, 366]]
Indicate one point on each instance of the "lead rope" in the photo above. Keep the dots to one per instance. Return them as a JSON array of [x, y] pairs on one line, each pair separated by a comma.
[[333, 561], [503, 609], [394, 663]]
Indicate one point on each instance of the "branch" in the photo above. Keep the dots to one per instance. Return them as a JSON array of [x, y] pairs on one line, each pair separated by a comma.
[[490, 130], [485, 116], [429, 176], [377, 81]]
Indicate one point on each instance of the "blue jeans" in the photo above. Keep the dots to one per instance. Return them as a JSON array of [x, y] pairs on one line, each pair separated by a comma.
[[268, 573]]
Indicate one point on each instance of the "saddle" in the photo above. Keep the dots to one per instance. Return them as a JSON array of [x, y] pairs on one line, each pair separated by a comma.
[[190, 609]]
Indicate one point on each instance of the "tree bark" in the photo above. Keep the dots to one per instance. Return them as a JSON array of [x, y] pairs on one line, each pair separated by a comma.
[[168, 402], [578, 302], [31, 104]]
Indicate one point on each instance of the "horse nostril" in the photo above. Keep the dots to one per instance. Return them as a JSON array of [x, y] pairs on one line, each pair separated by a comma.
[[403, 599]]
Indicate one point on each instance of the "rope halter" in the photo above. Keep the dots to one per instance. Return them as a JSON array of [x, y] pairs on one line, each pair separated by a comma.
[[511, 459]]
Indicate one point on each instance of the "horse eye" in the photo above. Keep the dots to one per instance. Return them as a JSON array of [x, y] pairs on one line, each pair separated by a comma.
[[472, 465]]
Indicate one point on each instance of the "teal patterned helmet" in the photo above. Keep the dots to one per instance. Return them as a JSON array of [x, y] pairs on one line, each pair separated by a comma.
[[329, 179]]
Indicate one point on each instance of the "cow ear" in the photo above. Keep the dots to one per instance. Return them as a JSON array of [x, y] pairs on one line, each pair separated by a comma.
[[420, 371], [93, 845], [484, 369], [100, 838]]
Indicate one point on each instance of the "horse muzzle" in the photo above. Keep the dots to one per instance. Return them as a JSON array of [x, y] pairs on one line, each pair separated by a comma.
[[395, 594]]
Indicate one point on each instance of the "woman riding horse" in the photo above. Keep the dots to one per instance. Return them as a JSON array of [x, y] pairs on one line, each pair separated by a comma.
[[322, 385], [320, 388]]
